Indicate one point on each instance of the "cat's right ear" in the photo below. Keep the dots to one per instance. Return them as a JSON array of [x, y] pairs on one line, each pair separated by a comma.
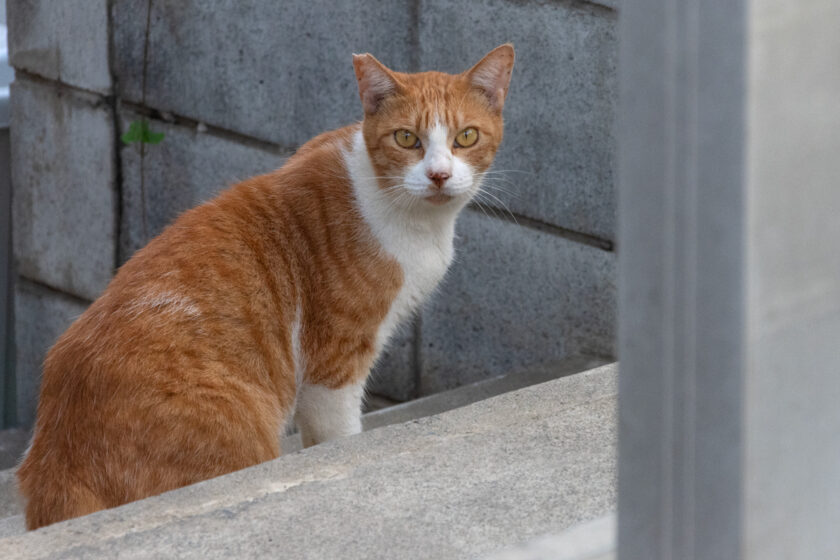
[[376, 82], [492, 75]]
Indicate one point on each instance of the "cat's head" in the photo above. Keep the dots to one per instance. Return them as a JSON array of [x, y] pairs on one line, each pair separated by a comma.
[[431, 136]]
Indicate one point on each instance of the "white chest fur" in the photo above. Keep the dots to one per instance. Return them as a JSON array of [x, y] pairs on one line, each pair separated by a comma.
[[420, 239]]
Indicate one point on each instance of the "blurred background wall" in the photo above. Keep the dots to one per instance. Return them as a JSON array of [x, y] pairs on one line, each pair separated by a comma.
[[236, 87]]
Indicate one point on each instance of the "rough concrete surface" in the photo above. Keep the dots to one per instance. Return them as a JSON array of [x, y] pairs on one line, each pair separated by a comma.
[[12, 443], [9, 497], [64, 201], [465, 483], [278, 71], [41, 315], [474, 392], [590, 540], [557, 156], [64, 40], [12, 526], [444, 401], [515, 298]]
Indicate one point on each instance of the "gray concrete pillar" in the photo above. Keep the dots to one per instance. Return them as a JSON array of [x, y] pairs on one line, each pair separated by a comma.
[[729, 265]]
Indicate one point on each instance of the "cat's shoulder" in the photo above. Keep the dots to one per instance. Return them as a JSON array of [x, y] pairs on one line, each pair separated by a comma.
[[333, 142]]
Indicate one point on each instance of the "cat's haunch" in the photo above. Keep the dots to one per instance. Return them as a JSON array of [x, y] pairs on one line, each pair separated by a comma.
[[270, 302]]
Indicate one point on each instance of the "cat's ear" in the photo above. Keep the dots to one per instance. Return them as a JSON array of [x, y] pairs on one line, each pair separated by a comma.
[[492, 75], [376, 82]]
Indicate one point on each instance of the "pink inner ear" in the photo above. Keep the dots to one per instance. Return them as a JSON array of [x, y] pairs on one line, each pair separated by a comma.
[[495, 94], [486, 77], [374, 90], [492, 75], [497, 99], [374, 82]]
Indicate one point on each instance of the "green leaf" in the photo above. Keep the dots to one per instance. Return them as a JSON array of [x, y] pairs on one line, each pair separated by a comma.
[[138, 131], [153, 137], [132, 134]]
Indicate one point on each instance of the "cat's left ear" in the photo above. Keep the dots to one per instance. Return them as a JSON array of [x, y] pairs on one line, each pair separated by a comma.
[[492, 75], [376, 82]]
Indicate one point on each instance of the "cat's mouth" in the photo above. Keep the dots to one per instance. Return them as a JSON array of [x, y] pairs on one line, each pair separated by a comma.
[[438, 198]]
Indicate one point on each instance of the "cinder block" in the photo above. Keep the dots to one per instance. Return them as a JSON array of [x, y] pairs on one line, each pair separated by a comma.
[[394, 375], [65, 40], [558, 153], [63, 200], [41, 316], [515, 298], [278, 71], [186, 168]]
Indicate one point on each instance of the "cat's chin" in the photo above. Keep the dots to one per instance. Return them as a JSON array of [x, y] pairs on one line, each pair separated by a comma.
[[438, 199]]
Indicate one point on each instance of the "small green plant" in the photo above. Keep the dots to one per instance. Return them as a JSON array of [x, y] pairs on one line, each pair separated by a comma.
[[138, 131]]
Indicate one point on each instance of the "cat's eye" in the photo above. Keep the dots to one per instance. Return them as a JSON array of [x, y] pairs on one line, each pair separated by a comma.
[[407, 139], [466, 138]]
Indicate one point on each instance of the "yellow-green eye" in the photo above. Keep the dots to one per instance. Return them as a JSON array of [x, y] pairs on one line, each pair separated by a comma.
[[406, 139], [466, 138]]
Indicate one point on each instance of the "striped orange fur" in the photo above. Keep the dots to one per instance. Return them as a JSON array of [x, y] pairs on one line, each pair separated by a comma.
[[269, 302]]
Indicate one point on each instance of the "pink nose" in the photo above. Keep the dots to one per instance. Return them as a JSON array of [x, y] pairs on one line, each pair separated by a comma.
[[438, 177]]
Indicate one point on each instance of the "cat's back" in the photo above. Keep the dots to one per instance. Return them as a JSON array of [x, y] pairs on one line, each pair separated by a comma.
[[259, 205], [219, 251]]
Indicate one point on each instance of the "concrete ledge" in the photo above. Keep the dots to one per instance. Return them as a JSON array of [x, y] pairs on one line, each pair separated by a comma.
[[591, 540], [10, 503], [13, 442], [464, 483], [461, 396], [478, 391], [12, 526]]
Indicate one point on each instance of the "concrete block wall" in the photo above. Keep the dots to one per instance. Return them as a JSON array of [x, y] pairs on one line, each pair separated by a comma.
[[237, 87]]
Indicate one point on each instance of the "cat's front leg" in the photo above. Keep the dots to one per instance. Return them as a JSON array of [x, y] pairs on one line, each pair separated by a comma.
[[323, 414]]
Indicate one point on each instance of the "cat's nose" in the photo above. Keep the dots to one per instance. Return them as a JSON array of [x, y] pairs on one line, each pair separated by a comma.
[[437, 177]]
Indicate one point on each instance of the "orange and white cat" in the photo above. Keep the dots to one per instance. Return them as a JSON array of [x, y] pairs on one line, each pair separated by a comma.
[[269, 302]]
